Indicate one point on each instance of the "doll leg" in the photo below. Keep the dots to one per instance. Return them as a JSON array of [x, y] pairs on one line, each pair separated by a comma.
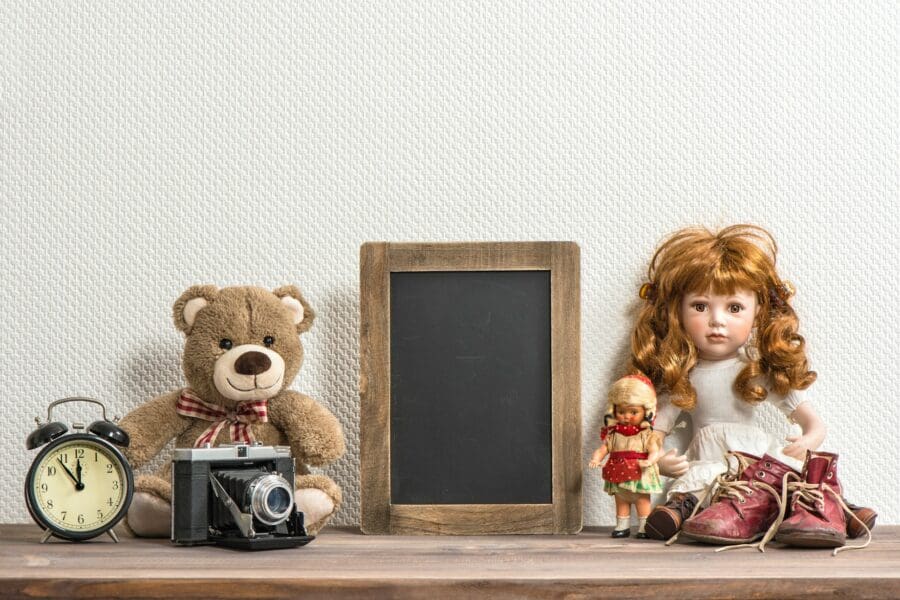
[[642, 506], [623, 516], [623, 506]]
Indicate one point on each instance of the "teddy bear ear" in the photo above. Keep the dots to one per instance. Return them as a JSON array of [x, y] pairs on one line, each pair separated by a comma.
[[190, 303], [294, 301]]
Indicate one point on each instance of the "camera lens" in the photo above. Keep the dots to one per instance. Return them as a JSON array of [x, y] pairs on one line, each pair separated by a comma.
[[278, 501], [272, 499]]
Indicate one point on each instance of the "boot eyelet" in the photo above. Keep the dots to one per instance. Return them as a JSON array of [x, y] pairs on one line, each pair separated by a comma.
[[830, 475], [768, 465], [761, 474], [749, 492], [743, 501]]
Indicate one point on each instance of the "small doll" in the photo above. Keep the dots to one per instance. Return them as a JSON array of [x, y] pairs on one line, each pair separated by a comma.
[[717, 334], [630, 474]]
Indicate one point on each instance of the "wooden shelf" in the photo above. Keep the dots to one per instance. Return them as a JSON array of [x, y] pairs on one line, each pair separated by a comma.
[[343, 562]]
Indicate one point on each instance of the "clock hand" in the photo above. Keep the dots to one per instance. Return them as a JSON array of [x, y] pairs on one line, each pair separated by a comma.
[[79, 485], [68, 472]]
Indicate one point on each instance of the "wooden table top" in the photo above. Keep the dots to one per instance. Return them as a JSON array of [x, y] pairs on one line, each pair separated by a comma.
[[343, 562]]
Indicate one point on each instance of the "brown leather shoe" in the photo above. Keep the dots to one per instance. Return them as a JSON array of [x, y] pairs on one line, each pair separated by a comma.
[[863, 513], [666, 519]]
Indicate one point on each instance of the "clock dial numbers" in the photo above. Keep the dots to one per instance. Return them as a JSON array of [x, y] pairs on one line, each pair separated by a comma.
[[80, 486]]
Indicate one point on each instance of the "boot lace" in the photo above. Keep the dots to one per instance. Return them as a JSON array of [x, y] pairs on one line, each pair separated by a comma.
[[809, 496], [737, 490]]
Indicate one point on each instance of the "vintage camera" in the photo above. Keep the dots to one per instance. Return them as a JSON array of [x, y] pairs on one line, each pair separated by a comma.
[[236, 495]]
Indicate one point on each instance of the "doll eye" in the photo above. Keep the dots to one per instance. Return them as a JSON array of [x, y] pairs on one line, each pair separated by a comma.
[[268, 341], [225, 344], [735, 308], [700, 306]]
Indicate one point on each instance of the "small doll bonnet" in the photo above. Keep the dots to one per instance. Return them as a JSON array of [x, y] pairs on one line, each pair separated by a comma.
[[634, 389]]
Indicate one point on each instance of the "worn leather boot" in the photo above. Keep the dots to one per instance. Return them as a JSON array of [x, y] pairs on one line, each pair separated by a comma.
[[817, 518], [745, 504], [666, 519]]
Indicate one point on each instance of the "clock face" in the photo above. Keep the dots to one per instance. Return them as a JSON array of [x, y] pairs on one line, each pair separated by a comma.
[[79, 487]]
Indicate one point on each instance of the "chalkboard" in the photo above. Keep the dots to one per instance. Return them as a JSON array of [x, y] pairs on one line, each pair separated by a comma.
[[470, 388], [470, 357]]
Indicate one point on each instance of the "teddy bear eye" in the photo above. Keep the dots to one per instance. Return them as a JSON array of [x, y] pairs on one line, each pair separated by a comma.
[[225, 344], [268, 340]]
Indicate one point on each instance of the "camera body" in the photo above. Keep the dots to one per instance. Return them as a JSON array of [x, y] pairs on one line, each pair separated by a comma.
[[236, 495]]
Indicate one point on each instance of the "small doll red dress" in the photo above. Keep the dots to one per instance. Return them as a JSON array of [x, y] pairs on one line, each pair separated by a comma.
[[627, 445]]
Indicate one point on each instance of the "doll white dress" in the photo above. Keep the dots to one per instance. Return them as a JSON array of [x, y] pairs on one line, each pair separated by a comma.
[[722, 421]]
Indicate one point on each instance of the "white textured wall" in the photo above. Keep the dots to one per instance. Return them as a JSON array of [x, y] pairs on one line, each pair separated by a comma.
[[149, 146]]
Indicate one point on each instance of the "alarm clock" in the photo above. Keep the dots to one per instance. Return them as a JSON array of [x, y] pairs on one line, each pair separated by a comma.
[[80, 484]]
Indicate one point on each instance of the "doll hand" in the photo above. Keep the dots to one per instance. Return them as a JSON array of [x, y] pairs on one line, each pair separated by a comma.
[[597, 458], [672, 464], [643, 463], [799, 445], [595, 462]]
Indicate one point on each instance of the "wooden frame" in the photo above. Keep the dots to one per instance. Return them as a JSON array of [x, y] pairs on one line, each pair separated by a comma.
[[377, 261]]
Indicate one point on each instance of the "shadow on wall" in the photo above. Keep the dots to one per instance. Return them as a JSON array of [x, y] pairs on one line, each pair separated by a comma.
[[338, 349], [622, 352], [144, 375], [148, 373]]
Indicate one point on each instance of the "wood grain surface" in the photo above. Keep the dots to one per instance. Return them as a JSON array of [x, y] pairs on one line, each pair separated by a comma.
[[342, 562]]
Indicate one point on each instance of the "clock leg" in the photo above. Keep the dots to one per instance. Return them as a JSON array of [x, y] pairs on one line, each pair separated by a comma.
[[113, 535], [47, 534]]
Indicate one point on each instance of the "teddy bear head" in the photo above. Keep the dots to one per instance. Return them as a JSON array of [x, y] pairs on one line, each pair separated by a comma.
[[241, 343]]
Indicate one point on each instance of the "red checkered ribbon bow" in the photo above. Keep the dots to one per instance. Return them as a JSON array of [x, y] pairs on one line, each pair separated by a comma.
[[190, 405]]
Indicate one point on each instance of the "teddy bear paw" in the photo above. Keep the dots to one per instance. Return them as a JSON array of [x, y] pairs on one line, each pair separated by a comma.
[[149, 516], [315, 505]]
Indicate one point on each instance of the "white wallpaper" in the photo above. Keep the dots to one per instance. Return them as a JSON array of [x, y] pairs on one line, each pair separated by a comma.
[[148, 146]]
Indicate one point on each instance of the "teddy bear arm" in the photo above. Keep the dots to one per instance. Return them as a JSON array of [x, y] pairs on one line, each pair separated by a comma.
[[151, 426], [313, 432]]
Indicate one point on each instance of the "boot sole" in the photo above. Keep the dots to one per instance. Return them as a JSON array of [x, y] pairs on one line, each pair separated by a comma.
[[720, 541], [660, 526], [810, 540]]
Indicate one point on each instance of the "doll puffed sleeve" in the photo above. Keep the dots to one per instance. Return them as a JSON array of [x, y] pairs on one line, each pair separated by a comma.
[[788, 404], [665, 415]]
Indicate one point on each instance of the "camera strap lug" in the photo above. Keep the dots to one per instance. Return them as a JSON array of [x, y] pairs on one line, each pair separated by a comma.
[[244, 521]]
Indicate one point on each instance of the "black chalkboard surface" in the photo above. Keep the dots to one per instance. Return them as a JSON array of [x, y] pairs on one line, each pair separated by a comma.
[[470, 381], [470, 357]]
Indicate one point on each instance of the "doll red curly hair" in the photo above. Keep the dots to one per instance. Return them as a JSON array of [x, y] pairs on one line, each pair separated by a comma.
[[695, 260]]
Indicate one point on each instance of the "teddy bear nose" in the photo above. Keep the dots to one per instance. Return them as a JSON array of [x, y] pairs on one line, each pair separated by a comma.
[[252, 363]]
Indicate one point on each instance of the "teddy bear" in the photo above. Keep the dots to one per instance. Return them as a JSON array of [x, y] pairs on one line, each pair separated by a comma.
[[242, 350]]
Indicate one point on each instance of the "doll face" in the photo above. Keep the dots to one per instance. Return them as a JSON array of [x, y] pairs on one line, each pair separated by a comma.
[[719, 324], [629, 414]]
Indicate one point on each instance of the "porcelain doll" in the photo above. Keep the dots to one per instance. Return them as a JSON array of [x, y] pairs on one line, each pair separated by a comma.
[[717, 335], [630, 473]]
